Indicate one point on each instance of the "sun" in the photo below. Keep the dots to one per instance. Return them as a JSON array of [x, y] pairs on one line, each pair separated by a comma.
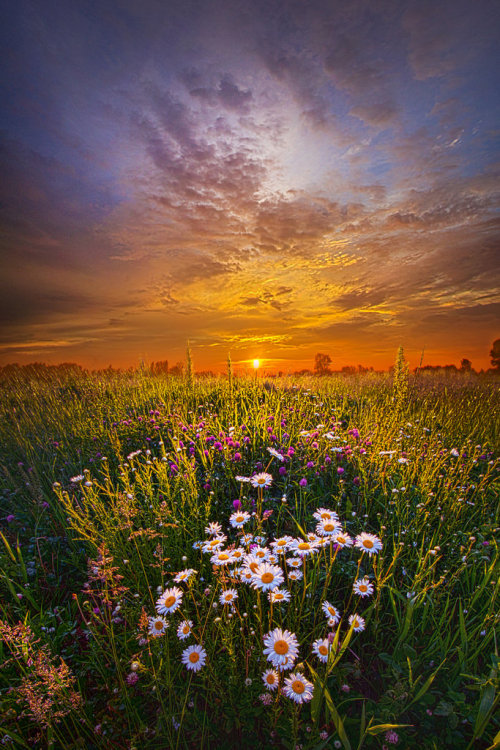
[[256, 363]]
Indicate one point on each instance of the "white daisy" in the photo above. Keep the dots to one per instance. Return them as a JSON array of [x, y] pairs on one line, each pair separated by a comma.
[[331, 611], [363, 587], [238, 553], [157, 626], [242, 479], [327, 527], [247, 538], [78, 478], [302, 548], [222, 557], [368, 543], [260, 553], [281, 544], [275, 453], [295, 575], [214, 544], [239, 519], [357, 623], [270, 679], [267, 577], [194, 657], [169, 601], [281, 647], [324, 514], [184, 630], [321, 647], [279, 596], [213, 529], [246, 575], [184, 575], [261, 480], [298, 688], [273, 559], [294, 562], [252, 562], [228, 597], [342, 539]]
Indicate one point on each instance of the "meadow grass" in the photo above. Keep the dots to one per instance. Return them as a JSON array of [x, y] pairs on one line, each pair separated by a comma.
[[109, 485]]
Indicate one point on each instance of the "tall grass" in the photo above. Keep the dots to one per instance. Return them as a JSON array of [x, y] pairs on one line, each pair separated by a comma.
[[109, 482]]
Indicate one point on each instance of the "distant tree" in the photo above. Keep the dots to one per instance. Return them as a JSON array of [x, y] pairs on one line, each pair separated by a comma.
[[495, 354], [189, 366], [177, 369], [159, 368], [466, 365], [322, 364]]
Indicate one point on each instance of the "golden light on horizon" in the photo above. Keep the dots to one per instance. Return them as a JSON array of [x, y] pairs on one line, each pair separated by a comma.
[[256, 363]]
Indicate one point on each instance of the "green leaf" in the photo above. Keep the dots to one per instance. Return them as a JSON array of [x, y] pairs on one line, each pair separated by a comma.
[[378, 728]]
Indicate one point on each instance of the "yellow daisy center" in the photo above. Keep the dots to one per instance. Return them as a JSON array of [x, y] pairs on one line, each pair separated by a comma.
[[367, 543], [281, 647], [298, 687], [363, 587], [304, 545], [194, 657], [239, 519], [325, 516], [278, 596], [261, 480], [281, 543], [159, 625], [323, 650], [341, 539], [170, 600], [328, 527], [223, 556], [267, 577], [253, 566], [355, 622], [228, 597], [270, 679], [332, 611], [185, 629]]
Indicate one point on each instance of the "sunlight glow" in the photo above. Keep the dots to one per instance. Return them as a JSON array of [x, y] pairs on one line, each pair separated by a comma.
[[256, 364]]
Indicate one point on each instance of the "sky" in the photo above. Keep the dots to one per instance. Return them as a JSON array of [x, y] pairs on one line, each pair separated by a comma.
[[265, 178]]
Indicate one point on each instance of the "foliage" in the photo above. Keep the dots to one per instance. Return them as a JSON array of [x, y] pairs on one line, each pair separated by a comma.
[[108, 482]]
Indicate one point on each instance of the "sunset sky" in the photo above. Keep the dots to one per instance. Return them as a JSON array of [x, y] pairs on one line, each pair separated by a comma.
[[268, 178]]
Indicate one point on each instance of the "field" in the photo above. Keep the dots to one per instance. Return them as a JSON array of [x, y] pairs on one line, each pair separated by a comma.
[[148, 600]]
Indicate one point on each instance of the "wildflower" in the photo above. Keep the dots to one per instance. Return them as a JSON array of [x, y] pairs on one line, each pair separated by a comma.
[[273, 559], [261, 553], [247, 538], [331, 611], [184, 630], [242, 479], [261, 480], [281, 647], [342, 539], [281, 544], [392, 737], [267, 577], [357, 623], [214, 544], [368, 543], [239, 519], [228, 597], [321, 647], [266, 699], [238, 554], [184, 575], [275, 453], [323, 735], [327, 527], [252, 562], [78, 478], [270, 678], [224, 557], [303, 482], [363, 587], [169, 601], [279, 595], [295, 575], [298, 688], [132, 678], [294, 562], [301, 547], [246, 575], [194, 657], [157, 626], [213, 529]]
